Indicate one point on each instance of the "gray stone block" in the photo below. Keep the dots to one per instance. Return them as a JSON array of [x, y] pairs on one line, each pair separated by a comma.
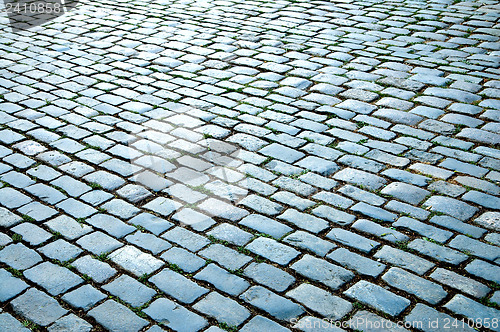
[[177, 286], [116, 317], [38, 307], [223, 309], [275, 305], [84, 297], [174, 316], [377, 297], [321, 301], [320, 270], [130, 290], [222, 280]]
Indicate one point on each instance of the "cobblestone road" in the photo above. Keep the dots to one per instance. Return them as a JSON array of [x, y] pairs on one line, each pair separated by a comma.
[[251, 165]]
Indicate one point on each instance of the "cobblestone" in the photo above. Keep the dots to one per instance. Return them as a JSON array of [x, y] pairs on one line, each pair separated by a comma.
[[425, 316], [277, 306], [116, 317], [38, 307], [177, 286], [130, 290], [84, 297], [321, 301], [422, 288], [377, 297], [178, 318], [222, 163], [272, 250], [329, 274]]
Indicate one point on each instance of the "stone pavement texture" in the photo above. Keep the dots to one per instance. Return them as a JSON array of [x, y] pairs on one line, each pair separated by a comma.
[[251, 165]]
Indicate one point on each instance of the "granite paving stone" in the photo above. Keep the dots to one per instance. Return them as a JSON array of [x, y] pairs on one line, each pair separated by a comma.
[[135, 261], [178, 286], [19, 257], [70, 322], [130, 290], [277, 306], [366, 321], [223, 309], [60, 250], [38, 307], [11, 286], [377, 297], [437, 252], [97, 270], [272, 250], [7, 322], [422, 288], [360, 264], [403, 259], [322, 271], [475, 247], [116, 317], [227, 257], [184, 259], [269, 276], [467, 307], [84, 297], [459, 282], [53, 278], [259, 323], [174, 316], [429, 319], [222, 279], [352, 240], [321, 301], [201, 166], [451, 206]]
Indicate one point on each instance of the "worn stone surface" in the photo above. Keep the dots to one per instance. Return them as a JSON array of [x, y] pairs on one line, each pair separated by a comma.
[[377, 297], [264, 155]]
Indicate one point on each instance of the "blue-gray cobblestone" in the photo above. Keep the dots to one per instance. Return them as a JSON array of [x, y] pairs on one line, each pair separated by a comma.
[[360, 264], [398, 122], [177, 286], [277, 306], [116, 317], [352, 240], [130, 290], [272, 250], [309, 242], [321, 301], [459, 282], [222, 280], [54, 279], [328, 274], [84, 297], [176, 317], [377, 297], [38, 307], [420, 287], [403, 259]]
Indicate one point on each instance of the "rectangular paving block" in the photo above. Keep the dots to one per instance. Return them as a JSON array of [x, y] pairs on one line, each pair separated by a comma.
[[275, 305], [38, 307], [377, 297], [135, 261], [320, 270], [422, 288], [116, 317], [403, 259], [321, 301], [272, 250], [177, 286], [170, 314]]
